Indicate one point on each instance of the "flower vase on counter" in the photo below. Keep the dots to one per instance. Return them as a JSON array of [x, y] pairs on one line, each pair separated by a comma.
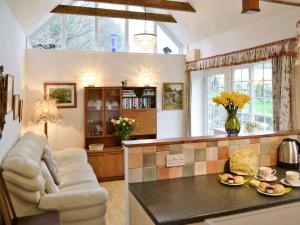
[[232, 102]]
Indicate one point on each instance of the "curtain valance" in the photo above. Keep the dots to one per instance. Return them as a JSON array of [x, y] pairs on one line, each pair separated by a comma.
[[285, 47]]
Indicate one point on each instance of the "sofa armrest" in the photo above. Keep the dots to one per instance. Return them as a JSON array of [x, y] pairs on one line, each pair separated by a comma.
[[73, 200], [70, 155]]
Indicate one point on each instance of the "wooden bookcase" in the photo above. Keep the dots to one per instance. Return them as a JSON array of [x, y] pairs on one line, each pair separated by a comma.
[[102, 104]]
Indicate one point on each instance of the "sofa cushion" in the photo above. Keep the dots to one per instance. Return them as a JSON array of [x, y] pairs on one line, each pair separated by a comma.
[[28, 196], [25, 157], [51, 164], [29, 184], [50, 184], [70, 156], [82, 186]]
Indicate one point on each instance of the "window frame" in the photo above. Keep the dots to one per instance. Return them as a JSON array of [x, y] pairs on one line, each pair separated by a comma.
[[229, 86]]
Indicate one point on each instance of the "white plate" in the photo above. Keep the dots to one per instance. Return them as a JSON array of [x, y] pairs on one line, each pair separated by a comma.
[[285, 182], [223, 182], [270, 179], [273, 195]]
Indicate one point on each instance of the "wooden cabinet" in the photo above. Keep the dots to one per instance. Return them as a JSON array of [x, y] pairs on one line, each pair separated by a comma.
[[107, 164], [145, 120]]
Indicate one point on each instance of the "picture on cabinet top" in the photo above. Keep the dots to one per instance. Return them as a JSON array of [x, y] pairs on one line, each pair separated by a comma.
[[172, 96], [63, 93], [9, 89]]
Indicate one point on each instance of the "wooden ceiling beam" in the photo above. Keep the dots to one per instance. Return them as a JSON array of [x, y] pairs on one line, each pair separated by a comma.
[[88, 11], [290, 3], [160, 4]]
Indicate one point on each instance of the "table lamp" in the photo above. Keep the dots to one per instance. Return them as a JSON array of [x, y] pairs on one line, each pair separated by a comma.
[[46, 110]]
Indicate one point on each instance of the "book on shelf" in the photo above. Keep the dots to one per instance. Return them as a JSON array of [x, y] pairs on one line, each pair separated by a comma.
[[137, 103]]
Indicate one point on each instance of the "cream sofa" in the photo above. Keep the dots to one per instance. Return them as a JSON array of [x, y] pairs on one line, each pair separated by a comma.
[[80, 200]]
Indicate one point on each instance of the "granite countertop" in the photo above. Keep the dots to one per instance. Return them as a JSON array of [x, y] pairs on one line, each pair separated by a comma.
[[195, 199]]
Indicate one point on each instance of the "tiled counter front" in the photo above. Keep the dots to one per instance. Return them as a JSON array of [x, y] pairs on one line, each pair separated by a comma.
[[147, 163]]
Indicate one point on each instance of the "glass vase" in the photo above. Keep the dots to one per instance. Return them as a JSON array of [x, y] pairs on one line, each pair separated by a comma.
[[232, 123]]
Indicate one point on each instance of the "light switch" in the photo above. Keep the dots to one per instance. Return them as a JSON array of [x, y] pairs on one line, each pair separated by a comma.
[[175, 160]]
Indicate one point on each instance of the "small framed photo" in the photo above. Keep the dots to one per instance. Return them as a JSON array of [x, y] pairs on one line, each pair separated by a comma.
[[172, 96], [16, 106], [64, 94], [20, 110], [9, 91]]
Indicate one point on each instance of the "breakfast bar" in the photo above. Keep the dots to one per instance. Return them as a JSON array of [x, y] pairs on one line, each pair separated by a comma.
[[160, 194], [195, 199]]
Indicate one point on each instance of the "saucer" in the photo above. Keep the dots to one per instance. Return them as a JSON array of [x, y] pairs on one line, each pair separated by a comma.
[[269, 179], [285, 182]]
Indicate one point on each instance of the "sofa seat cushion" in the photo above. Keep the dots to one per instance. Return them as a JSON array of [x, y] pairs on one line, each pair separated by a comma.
[[25, 157], [82, 174], [70, 156]]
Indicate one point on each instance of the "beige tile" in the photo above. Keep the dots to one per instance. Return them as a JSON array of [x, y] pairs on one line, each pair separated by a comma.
[[135, 175], [211, 167], [175, 172], [212, 154], [221, 165], [265, 140], [233, 149], [244, 142], [200, 168], [162, 173], [149, 149], [189, 155], [135, 150], [223, 143], [256, 148], [200, 145], [135, 160], [176, 147], [265, 160], [161, 158], [245, 147], [162, 148]]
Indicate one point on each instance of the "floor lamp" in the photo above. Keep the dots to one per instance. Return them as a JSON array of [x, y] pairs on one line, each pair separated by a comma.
[[46, 110]]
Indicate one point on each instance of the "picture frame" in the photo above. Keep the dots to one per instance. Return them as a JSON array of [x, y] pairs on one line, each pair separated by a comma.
[[65, 94], [2, 100], [9, 92], [20, 110], [172, 98], [16, 106]]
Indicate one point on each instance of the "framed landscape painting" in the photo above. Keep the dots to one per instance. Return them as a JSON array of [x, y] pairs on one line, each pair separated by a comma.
[[64, 94], [172, 96]]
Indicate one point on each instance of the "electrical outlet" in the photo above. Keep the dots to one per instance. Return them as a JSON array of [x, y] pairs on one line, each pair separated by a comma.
[[175, 160]]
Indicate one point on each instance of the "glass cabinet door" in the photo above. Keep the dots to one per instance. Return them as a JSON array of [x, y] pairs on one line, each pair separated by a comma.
[[112, 107], [94, 112]]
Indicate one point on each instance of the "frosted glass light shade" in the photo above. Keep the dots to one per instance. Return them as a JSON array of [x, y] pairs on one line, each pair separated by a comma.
[[145, 41], [46, 110]]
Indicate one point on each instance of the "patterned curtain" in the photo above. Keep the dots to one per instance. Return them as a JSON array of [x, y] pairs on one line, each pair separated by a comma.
[[284, 102], [188, 101]]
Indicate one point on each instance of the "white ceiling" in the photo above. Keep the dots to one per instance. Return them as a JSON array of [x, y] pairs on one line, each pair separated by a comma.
[[212, 18]]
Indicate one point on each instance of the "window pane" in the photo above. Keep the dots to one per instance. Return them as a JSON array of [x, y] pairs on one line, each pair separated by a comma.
[[51, 33], [80, 32], [163, 41], [112, 30]]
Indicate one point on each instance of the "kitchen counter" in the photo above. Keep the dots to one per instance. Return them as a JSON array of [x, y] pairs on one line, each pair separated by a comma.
[[195, 199]]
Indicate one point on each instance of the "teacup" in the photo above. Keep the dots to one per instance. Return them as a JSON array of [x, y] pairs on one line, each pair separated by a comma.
[[293, 177], [266, 172]]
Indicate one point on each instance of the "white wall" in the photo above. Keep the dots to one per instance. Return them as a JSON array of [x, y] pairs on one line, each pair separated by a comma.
[[261, 32], [12, 48], [109, 69]]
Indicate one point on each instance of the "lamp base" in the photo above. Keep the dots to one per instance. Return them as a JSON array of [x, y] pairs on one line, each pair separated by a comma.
[[46, 129]]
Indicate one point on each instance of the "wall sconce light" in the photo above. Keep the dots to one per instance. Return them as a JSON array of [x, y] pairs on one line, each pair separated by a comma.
[[250, 6], [89, 80]]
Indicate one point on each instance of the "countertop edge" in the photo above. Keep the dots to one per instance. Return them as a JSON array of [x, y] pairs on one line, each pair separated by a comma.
[[182, 140]]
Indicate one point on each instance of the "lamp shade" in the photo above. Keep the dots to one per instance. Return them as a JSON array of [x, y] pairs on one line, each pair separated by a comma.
[[145, 41], [46, 110]]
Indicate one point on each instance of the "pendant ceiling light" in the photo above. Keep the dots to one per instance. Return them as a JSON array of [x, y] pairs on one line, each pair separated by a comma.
[[145, 41]]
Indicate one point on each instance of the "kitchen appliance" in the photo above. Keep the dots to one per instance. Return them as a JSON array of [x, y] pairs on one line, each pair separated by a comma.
[[288, 154]]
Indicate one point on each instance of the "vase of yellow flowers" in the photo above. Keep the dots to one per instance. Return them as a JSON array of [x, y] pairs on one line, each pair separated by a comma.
[[123, 127], [232, 102]]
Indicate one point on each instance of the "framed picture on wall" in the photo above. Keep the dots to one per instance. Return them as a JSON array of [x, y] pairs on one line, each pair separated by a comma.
[[172, 96], [20, 110], [16, 106], [9, 90], [64, 94]]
